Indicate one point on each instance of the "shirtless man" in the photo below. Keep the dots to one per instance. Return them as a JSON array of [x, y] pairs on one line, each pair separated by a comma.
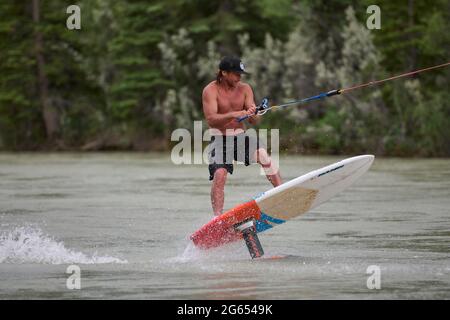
[[225, 100]]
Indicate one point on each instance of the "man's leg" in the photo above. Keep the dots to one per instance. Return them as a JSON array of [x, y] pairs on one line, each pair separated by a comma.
[[217, 190], [272, 172]]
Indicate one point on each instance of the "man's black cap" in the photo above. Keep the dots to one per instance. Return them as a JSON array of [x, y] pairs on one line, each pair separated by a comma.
[[234, 64]]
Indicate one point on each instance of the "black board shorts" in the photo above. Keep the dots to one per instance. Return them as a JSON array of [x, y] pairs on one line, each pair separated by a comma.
[[225, 149]]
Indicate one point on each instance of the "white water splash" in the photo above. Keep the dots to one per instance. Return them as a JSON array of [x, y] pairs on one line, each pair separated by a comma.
[[30, 245], [193, 254]]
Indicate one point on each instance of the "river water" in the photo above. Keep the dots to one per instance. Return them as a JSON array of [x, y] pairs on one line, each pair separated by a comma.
[[123, 219]]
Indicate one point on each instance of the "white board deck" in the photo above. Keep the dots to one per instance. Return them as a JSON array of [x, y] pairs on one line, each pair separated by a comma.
[[308, 191]]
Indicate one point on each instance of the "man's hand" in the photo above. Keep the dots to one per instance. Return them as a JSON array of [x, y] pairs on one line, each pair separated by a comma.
[[252, 110], [250, 113], [240, 114], [253, 116]]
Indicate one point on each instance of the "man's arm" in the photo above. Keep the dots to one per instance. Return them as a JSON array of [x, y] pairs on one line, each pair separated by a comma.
[[210, 109], [250, 105]]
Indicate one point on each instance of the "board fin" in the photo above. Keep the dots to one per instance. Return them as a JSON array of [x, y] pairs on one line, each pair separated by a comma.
[[248, 231]]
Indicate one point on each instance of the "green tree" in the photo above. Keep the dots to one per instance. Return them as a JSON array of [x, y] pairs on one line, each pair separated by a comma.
[[20, 114], [45, 95]]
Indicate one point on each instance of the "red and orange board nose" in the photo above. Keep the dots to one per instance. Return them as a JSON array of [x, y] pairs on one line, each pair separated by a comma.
[[220, 230]]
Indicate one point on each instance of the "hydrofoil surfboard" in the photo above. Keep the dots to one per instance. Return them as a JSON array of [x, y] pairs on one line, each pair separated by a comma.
[[280, 204]]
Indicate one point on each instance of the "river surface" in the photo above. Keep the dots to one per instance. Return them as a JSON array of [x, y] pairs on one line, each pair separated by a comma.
[[123, 221]]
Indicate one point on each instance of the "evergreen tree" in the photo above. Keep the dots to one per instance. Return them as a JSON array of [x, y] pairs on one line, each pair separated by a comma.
[[45, 94], [136, 77], [20, 114]]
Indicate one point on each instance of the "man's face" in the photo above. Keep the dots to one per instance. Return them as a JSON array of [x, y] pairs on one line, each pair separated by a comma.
[[232, 78]]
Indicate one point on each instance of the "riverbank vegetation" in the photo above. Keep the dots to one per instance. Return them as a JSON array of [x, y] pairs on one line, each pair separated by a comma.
[[135, 70]]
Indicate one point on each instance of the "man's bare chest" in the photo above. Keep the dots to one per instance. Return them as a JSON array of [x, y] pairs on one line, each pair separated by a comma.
[[230, 101]]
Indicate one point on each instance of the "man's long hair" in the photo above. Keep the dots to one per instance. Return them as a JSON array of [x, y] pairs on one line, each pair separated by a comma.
[[219, 76]]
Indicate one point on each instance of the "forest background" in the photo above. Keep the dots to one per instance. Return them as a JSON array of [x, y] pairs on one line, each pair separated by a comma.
[[135, 71]]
